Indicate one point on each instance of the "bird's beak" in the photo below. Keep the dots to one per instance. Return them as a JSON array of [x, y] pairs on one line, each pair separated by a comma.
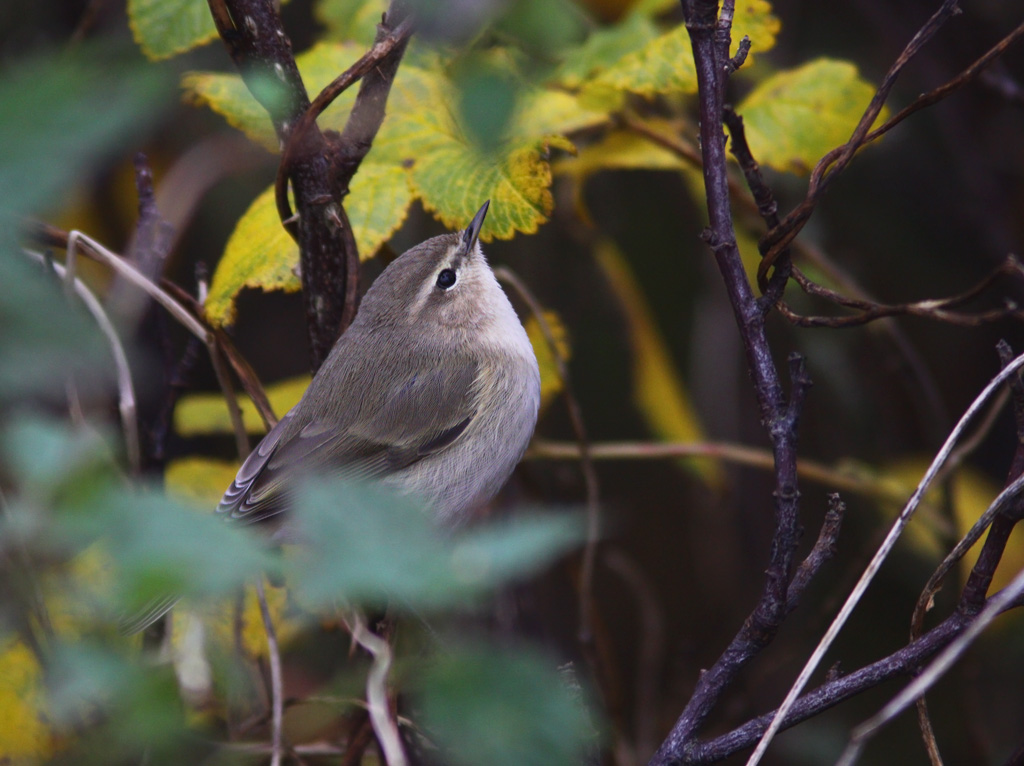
[[469, 236]]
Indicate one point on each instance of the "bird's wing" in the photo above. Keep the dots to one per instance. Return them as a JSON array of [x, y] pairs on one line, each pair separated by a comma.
[[415, 415]]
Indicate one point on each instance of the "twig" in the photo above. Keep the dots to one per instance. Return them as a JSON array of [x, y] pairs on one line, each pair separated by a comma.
[[833, 478], [830, 166], [125, 388], [276, 677], [710, 35], [823, 551], [880, 556], [938, 667], [583, 445], [384, 724], [650, 636]]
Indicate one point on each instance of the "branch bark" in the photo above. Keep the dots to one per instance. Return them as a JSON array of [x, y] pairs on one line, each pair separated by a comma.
[[256, 41], [710, 37]]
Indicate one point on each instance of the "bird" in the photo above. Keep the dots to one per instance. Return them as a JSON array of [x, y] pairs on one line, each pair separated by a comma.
[[433, 391]]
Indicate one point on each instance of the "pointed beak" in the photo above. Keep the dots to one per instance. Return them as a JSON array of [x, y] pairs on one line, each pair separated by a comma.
[[469, 236]]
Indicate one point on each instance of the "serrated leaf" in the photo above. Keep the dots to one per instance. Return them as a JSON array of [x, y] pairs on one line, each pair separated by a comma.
[[616, 150], [795, 117], [200, 414], [364, 543], [163, 28], [665, 64], [658, 392], [550, 381]]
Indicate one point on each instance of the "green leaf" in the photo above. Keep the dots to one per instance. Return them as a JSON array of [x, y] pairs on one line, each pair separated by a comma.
[[200, 414], [665, 65], [163, 28], [350, 20], [603, 48], [363, 543], [658, 391], [44, 148], [795, 117], [504, 708]]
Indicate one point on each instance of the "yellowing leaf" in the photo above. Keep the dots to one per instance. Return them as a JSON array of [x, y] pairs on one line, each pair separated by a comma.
[[259, 253], [452, 180], [658, 392], [199, 414], [163, 28], [25, 736], [665, 64], [550, 381], [795, 117], [973, 492]]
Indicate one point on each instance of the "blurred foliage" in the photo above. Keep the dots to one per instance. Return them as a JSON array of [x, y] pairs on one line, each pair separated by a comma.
[[535, 106]]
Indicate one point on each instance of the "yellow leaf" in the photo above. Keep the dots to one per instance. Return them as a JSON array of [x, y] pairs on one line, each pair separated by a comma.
[[973, 492], [25, 737], [658, 392], [550, 381], [199, 480], [617, 150], [259, 253], [199, 414], [219, 620], [795, 117]]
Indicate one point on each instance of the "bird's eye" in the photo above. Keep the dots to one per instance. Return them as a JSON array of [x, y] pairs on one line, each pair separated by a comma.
[[446, 278]]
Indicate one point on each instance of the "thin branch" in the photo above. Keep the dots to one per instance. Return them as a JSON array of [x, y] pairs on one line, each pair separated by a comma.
[[830, 166], [384, 724], [876, 562], [276, 677], [828, 476], [125, 389], [709, 36], [583, 446], [381, 49], [938, 667]]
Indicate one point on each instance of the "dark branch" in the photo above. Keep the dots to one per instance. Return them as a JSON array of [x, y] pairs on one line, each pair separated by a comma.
[[778, 239], [252, 32], [709, 35]]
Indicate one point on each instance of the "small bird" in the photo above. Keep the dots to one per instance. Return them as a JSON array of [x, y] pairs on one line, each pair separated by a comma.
[[433, 390]]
